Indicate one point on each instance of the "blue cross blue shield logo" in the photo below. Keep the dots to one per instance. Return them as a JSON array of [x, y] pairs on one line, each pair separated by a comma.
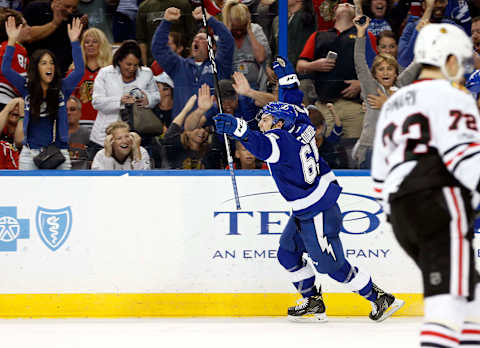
[[12, 228], [53, 226]]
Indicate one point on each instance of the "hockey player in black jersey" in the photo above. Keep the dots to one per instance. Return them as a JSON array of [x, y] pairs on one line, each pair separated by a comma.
[[426, 171]]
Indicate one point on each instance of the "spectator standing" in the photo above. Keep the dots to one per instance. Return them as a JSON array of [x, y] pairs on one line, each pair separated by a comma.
[[46, 92], [78, 137], [112, 87], [20, 60], [325, 13], [175, 42], [188, 74], [383, 79], [122, 150], [335, 79], [124, 20], [251, 45], [48, 21], [434, 12], [97, 53], [151, 13], [384, 14]]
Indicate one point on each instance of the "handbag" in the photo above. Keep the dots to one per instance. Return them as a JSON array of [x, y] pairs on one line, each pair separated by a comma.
[[145, 121], [51, 156]]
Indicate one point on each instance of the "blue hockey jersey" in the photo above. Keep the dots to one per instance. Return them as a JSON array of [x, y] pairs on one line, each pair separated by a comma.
[[302, 177]]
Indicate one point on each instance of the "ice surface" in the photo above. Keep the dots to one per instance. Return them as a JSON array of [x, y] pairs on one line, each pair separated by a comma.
[[274, 332]]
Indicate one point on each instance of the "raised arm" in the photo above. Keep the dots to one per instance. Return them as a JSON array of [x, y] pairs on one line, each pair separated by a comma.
[[72, 80], [225, 48], [367, 81], [40, 32], [242, 87], [160, 49], [14, 77], [197, 117], [179, 120]]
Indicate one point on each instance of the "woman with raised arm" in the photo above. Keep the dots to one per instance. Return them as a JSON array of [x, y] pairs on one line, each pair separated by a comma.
[[45, 94], [97, 53], [377, 85]]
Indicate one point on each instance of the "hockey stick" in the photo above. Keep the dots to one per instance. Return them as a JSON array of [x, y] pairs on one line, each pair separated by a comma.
[[219, 103]]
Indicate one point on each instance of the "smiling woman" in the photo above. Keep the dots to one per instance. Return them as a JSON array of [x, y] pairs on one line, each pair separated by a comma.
[[111, 91], [122, 150], [45, 93]]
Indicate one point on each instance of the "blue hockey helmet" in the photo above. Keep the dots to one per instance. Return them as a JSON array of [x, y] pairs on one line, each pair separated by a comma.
[[288, 113], [473, 83]]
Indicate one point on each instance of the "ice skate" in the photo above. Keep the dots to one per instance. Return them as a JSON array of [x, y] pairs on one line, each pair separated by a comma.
[[310, 309], [384, 306]]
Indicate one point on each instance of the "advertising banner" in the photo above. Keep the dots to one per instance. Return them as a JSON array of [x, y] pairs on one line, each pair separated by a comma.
[[174, 232]]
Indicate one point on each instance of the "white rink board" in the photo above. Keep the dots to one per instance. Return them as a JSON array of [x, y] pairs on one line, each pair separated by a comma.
[[173, 233]]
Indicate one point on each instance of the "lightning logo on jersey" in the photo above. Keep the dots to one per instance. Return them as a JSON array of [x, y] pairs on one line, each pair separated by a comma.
[[326, 246], [322, 240]]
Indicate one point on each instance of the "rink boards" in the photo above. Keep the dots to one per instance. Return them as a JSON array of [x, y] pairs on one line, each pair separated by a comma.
[[171, 243]]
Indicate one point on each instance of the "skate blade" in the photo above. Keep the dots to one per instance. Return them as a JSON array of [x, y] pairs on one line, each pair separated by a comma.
[[312, 318], [395, 306]]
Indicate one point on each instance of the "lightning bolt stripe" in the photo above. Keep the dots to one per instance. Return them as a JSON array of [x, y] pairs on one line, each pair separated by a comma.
[[322, 240]]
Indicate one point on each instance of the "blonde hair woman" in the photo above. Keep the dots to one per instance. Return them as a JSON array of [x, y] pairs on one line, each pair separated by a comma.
[[97, 53], [122, 150], [251, 44]]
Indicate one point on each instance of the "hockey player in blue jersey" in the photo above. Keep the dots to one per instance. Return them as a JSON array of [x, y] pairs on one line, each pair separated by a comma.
[[310, 188]]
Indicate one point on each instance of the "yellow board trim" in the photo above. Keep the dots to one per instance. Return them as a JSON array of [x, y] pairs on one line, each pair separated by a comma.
[[182, 305]]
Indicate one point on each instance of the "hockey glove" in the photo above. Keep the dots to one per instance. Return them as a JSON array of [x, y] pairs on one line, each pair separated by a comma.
[[288, 91], [287, 78], [235, 127]]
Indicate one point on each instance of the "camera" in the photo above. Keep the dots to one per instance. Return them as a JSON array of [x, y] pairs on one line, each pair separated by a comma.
[[362, 20], [136, 93]]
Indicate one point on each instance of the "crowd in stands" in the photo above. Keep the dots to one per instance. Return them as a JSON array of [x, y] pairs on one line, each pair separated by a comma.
[[128, 84]]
